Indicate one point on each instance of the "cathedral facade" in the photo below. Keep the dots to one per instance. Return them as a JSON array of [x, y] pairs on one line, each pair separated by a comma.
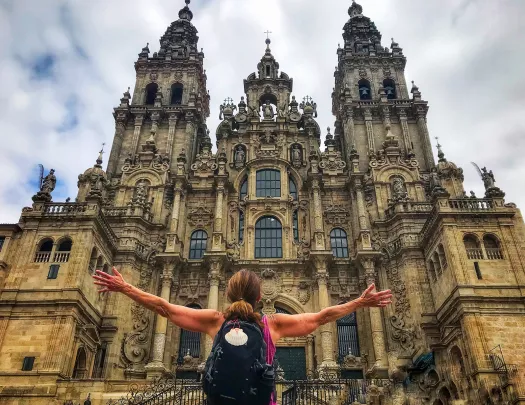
[[318, 223]]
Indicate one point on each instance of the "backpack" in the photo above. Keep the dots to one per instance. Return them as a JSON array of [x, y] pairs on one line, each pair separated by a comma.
[[236, 371]]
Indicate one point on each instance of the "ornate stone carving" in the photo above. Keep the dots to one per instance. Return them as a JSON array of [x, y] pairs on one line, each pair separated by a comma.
[[399, 191], [270, 288], [331, 162], [303, 292], [133, 163], [205, 162], [240, 157], [336, 214], [135, 346], [200, 216], [297, 155]]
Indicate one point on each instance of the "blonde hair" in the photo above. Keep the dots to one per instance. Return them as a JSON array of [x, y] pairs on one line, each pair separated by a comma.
[[244, 289]]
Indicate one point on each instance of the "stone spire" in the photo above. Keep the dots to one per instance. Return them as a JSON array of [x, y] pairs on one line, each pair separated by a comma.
[[268, 67]]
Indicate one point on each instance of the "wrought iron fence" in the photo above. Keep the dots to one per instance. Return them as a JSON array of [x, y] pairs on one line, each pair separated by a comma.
[[172, 391]]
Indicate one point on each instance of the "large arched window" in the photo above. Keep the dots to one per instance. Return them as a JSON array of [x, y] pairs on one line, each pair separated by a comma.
[[176, 93], [390, 89], [339, 242], [198, 242], [151, 93], [243, 192], [63, 251], [190, 342], [80, 370], [293, 188], [43, 253], [473, 247], [268, 183], [347, 336], [268, 238], [365, 91], [492, 248]]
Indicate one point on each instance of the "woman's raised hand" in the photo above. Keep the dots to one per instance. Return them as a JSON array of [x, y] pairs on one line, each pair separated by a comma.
[[375, 299], [114, 283]]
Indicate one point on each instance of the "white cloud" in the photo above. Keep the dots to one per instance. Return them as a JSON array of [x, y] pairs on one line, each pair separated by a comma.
[[465, 56]]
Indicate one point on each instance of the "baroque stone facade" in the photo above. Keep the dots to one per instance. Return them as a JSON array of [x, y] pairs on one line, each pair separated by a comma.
[[318, 224]]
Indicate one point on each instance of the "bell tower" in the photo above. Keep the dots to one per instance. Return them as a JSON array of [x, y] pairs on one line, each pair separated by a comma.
[[167, 111]]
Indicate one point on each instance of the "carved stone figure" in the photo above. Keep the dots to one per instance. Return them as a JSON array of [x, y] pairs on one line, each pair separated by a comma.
[[268, 112], [49, 182], [399, 192], [240, 157], [488, 178], [297, 158], [140, 193]]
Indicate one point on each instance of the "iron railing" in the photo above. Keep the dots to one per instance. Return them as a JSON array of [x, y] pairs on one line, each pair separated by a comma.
[[172, 391]]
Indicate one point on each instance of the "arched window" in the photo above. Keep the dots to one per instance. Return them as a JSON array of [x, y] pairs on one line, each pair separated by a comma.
[[100, 263], [241, 226], [63, 251], [390, 89], [100, 360], [43, 253], [190, 342], [492, 247], [473, 247], [365, 91], [198, 242], [280, 310], [268, 183], [268, 238], [80, 370], [151, 93], [347, 337], [442, 256], [243, 192], [93, 261], [293, 188], [295, 225], [339, 242], [437, 264], [176, 93]]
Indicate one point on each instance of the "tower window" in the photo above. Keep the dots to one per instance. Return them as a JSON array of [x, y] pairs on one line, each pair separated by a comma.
[[151, 93], [473, 247], [243, 190], [176, 93], [268, 238], [339, 242], [268, 183], [53, 272], [63, 251], [28, 363], [492, 247], [198, 242], [347, 337], [2, 240], [365, 91], [268, 71], [390, 89], [43, 254]]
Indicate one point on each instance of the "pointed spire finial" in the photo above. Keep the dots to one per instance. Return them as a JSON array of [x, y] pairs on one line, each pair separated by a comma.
[[99, 159], [185, 13], [441, 155]]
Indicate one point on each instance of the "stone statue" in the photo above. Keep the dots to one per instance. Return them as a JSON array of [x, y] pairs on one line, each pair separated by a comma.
[[268, 112], [296, 155], [240, 157], [398, 190], [434, 179], [49, 182], [488, 178], [140, 193]]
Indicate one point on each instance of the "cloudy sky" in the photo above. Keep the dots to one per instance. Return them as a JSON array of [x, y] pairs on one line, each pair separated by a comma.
[[64, 65]]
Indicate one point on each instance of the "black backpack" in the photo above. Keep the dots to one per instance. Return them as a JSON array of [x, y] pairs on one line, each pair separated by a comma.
[[238, 374]]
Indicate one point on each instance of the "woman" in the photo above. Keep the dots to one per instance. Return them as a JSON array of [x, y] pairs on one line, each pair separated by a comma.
[[243, 292]]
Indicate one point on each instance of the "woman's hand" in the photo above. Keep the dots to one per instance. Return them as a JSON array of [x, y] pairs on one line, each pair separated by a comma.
[[375, 299], [114, 283]]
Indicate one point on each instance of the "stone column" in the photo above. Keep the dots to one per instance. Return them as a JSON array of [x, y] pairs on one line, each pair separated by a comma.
[[176, 208], [310, 353], [172, 126], [116, 149], [349, 131], [156, 366], [424, 136], [376, 323], [327, 343], [217, 226], [136, 133], [369, 130], [213, 297], [318, 216]]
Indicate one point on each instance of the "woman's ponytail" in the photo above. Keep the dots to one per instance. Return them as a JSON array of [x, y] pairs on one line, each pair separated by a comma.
[[243, 292]]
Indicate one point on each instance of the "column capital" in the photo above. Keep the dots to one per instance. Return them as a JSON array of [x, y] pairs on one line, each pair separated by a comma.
[[214, 278], [322, 278], [370, 271]]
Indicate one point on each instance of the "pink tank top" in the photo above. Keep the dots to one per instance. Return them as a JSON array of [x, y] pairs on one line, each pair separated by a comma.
[[270, 349]]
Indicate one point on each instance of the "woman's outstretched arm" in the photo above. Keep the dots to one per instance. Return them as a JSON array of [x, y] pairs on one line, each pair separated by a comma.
[[195, 320], [283, 325]]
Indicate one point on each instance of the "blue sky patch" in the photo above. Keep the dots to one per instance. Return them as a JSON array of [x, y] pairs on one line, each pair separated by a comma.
[[43, 66]]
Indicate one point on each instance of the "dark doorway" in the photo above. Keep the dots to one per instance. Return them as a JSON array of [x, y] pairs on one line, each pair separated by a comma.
[[293, 362]]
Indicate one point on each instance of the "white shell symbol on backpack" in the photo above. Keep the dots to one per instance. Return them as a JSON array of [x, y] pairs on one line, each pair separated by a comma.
[[236, 337]]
